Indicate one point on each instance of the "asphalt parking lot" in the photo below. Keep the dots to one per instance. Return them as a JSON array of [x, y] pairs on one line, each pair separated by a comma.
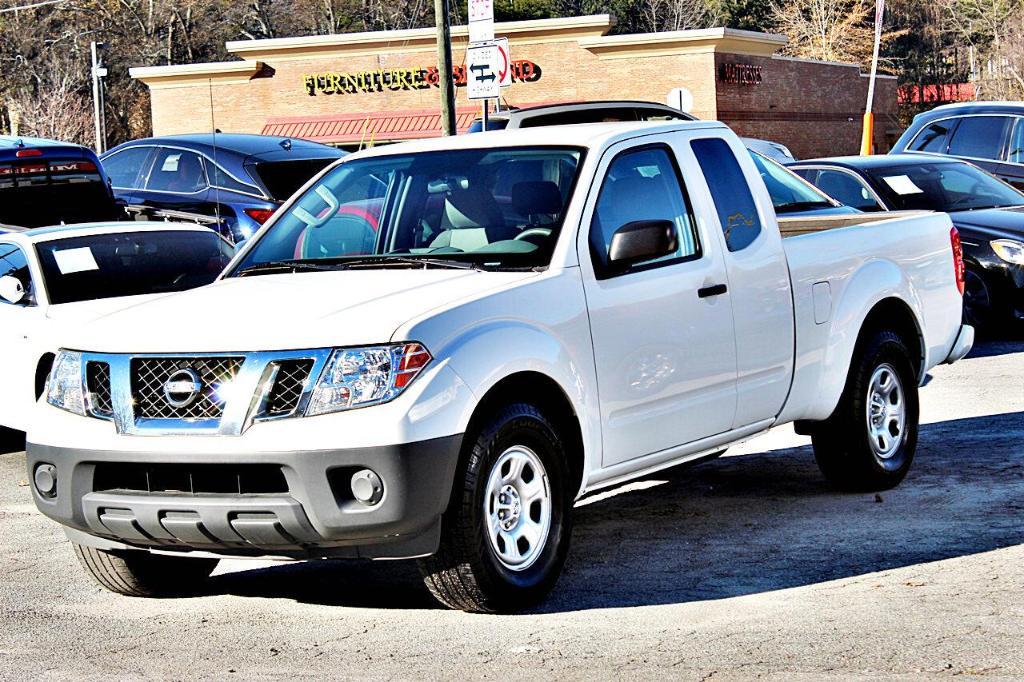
[[747, 566]]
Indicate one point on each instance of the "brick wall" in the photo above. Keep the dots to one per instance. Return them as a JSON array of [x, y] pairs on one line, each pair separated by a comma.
[[812, 107]]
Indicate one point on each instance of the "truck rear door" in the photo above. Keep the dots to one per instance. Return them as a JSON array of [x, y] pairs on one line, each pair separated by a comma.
[[758, 275], [663, 333]]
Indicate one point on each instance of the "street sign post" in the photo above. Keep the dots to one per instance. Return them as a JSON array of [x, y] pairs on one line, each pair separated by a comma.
[[483, 80], [504, 63], [481, 21]]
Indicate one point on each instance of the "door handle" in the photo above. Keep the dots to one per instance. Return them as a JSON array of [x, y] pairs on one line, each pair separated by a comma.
[[715, 290]]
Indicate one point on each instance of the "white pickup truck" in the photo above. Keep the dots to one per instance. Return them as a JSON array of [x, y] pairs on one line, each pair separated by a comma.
[[435, 348]]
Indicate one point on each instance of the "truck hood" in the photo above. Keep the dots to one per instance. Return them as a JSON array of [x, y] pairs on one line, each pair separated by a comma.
[[85, 311], [284, 311]]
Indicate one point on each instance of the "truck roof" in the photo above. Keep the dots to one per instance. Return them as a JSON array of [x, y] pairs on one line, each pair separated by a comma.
[[589, 135]]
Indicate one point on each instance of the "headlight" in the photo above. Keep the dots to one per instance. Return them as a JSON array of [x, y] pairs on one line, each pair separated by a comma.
[[65, 383], [358, 377], [1009, 250]]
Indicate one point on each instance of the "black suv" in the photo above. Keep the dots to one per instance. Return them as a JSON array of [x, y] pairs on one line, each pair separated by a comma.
[[988, 134]]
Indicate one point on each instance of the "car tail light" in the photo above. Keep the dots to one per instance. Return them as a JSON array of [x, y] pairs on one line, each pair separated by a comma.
[[260, 215], [958, 259], [25, 153], [36, 169]]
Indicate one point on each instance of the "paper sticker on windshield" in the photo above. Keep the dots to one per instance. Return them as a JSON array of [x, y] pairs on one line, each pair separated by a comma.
[[170, 164], [901, 184], [70, 261]]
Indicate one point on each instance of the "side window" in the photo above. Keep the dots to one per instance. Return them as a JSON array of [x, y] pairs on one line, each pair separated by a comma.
[[1017, 142], [220, 178], [980, 137], [642, 185], [14, 263], [846, 189], [127, 169], [178, 171], [933, 138], [730, 190]]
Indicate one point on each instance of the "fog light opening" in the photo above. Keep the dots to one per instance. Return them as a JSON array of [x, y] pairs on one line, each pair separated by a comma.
[[367, 488], [46, 480]]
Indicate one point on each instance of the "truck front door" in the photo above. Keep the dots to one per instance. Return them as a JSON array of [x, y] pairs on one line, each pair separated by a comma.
[[662, 330], [759, 284]]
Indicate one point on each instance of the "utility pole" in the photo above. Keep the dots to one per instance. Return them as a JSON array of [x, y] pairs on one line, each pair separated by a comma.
[[444, 66], [868, 133], [98, 73]]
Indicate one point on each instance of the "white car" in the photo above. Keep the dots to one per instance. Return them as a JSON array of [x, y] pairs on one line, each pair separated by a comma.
[[56, 278], [434, 349]]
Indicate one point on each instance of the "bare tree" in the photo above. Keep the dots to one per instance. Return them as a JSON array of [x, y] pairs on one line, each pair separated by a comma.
[[994, 29], [832, 30], [677, 15]]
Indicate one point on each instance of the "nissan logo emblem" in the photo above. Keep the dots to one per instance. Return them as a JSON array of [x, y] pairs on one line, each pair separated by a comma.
[[182, 388]]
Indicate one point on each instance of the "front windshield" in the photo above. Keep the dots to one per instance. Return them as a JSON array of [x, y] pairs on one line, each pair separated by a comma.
[[946, 187], [789, 192], [130, 264], [495, 208]]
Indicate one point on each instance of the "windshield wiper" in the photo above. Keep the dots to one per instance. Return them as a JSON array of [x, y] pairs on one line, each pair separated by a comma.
[[406, 260], [800, 206], [281, 266]]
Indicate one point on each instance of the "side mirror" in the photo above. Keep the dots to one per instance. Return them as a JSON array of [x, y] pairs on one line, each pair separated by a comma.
[[642, 240], [11, 289]]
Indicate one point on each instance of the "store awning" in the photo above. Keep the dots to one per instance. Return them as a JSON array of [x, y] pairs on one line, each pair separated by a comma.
[[383, 126]]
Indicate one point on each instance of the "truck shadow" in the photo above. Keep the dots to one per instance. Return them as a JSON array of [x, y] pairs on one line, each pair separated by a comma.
[[737, 526], [11, 441], [1003, 343]]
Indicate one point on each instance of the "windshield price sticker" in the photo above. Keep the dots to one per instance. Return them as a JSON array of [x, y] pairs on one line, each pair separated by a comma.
[[483, 78], [70, 261], [901, 184]]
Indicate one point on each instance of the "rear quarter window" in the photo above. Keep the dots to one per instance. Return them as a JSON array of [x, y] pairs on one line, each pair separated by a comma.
[[933, 138], [730, 190]]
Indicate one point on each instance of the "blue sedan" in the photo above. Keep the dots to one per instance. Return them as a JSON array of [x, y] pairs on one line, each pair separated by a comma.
[[233, 181]]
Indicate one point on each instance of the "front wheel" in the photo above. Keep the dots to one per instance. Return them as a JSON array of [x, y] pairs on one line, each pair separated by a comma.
[[869, 441], [978, 307], [505, 535], [140, 574]]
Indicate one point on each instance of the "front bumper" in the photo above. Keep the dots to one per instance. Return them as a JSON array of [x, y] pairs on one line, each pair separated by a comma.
[[311, 513]]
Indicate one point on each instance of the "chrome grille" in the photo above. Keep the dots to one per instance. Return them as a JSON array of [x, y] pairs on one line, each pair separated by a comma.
[[97, 383], [288, 387], [150, 375]]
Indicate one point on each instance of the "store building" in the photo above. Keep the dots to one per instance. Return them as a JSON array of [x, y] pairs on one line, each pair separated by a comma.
[[368, 88]]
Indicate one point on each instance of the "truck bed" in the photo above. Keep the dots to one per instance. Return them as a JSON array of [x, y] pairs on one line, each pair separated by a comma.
[[793, 226]]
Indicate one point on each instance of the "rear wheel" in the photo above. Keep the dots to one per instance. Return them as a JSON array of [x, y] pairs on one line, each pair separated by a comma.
[[505, 535], [141, 574], [869, 441]]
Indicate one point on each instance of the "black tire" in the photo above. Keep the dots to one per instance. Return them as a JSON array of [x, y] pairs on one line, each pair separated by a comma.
[[466, 573], [141, 574], [843, 444], [978, 305]]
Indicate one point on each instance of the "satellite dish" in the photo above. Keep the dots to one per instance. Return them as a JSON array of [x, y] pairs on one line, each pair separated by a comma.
[[680, 98]]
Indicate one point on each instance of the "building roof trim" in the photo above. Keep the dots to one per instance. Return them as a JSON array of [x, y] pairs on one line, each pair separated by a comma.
[[567, 28], [728, 40], [180, 75]]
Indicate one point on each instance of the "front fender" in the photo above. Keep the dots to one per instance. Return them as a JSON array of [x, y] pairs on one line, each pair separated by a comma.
[[486, 355]]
